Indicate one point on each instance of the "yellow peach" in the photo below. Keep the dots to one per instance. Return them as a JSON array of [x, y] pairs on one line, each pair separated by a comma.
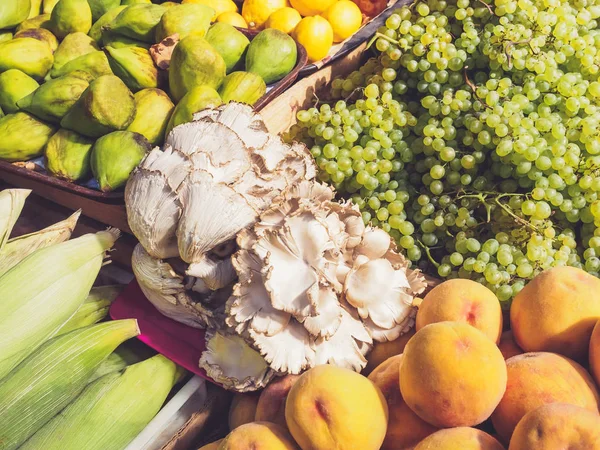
[[330, 407], [535, 379], [595, 353], [461, 438], [452, 375], [384, 350], [258, 436], [242, 409], [460, 300], [557, 426], [556, 312], [405, 428], [271, 403]]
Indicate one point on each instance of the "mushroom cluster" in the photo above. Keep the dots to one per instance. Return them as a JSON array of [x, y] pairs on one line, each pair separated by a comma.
[[236, 237], [187, 202], [315, 286]]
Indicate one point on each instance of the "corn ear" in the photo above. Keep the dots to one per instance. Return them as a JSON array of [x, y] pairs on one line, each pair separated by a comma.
[[94, 309], [18, 248], [11, 205], [112, 411], [49, 379], [44, 290]]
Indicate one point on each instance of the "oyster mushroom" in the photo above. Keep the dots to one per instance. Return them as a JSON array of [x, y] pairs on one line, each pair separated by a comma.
[[230, 361], [213, 178]]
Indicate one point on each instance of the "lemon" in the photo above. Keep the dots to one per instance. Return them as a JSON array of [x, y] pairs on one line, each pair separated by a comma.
[[233, 19], [220, 6], [284, 19], [311, 7], [345, 18], [256, 12], [316, 35]]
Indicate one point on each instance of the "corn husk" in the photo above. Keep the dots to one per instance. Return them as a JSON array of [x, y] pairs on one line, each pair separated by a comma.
[[112, 411], [52, 377], [16, 249], [11, 205], [44, 290], [94, 309], [118, 361]]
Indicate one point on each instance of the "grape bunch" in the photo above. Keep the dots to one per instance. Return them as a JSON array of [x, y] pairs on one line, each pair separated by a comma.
[[473, 137]]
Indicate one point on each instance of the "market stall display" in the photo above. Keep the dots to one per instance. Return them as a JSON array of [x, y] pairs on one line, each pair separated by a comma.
[[295, 270]]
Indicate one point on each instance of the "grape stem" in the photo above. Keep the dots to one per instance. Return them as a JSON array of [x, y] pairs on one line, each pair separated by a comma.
[[473, 87], [514, 216], [428, 253], [487, 6]]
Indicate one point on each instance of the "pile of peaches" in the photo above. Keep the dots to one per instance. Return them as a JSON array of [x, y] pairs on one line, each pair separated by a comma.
[[460, 381]]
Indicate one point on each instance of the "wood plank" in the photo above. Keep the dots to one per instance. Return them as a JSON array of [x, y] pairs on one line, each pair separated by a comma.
[[111, 214]]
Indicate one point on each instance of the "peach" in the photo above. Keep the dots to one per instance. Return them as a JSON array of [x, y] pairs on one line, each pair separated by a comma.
[[212, 445], [405, 428], [242, 409], [384, 350], [508, 346], [271, 403], [557, 426], [556, 312], [466, 301], [461, 438], [535, 379], [595, 353], [330, 407], [258, 436], [452, 375]]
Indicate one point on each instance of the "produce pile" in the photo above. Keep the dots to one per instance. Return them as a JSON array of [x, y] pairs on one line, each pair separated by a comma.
[[455, 382], [473, 138], [316, 24], [66, 381], [93, 85]]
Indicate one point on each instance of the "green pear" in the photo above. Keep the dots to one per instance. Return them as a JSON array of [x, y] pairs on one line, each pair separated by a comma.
[[184, 19], [114, 157], [73, 46], [243, 87], [105, 106], [13, 12], [134, 66], [48, 6], [101, 7], [41, 21], [5, 36], [138, 21], [53, 99], [230, 42], [194, 63], [14, 85], [70, 16], [114, 40], [68, 155], [96, 30], [1, 113], [135, 2], [153, 110], [23, 136], [26, 54], [95, 64], [36, 8], [42, 35], [195, 100]]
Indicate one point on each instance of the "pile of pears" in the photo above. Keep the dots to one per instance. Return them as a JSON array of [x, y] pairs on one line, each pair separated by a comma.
[[79, 84]]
